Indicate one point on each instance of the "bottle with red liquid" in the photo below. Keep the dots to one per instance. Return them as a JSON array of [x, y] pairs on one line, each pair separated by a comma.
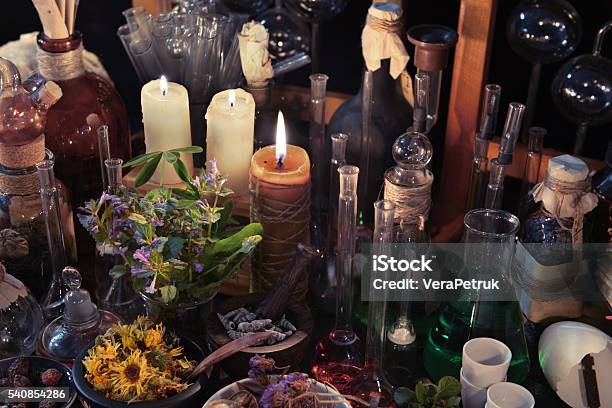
[[88, 102], [23, 239], [337, 357]]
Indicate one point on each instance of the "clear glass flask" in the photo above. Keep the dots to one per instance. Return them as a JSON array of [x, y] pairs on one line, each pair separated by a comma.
[[371, 384], [489, 242], [118, 295], [531, 172], [337, 359], [53, 301], [479, 171]]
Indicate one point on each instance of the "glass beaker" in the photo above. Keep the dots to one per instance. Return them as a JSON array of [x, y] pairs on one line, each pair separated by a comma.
[[489, 242], [337, 359]]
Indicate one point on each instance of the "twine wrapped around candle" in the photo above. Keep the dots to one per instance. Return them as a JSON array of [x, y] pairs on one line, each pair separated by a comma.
[[285, 224]]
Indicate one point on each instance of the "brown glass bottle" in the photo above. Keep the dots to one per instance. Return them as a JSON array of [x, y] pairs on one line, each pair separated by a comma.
[[88, 102]]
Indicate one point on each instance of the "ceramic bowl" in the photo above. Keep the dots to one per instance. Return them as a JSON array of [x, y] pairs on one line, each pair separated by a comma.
[[190, 397]]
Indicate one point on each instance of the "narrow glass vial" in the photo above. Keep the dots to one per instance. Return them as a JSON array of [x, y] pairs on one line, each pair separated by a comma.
[[53, 302], [371, 384], [480, 162], [318, 88], [337, 360], [531, 172], [118, 296], [495, 187], [421, 102]]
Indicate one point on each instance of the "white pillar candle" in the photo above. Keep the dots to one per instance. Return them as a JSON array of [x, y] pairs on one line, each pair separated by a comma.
[[230, 120], [165, 114]]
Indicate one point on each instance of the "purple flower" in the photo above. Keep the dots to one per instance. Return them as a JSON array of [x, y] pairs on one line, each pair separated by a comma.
[[198, 267], [142, 255], [157, 222], [150, 288], [121, 208], [139, 238]]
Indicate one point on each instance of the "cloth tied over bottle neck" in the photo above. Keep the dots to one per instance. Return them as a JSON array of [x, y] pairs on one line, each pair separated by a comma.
[[11, 288], [566, 193], [380, 38], [254, 56]]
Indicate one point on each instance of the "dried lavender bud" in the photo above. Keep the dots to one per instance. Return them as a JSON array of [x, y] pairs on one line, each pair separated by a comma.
[[46, 404], [285, 324], [254, 326], [262, 363], [247, 317], [288, 333], [51, 377], [227, 323], [21, 381], [233, 334], [275, 338], [276, 329], [13, 245], [20, 366]]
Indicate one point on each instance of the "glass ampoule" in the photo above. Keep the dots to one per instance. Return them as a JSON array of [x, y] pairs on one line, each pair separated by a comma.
[[337, 359], [119, 296], [371, 384], [53, 301], [479, 170], [531, 172]]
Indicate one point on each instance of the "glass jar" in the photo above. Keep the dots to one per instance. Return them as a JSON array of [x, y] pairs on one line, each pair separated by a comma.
[[88, 102], [23, 239], [21, 317]]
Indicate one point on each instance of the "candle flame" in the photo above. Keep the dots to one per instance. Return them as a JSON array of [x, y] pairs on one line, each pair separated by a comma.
[[232, 98], [281, 139], [163, 85]]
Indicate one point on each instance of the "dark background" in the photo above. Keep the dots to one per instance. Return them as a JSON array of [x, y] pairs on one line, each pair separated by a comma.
[[341, 58]]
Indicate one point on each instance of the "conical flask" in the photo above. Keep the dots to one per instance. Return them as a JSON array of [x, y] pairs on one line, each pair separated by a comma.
[[488, 244]]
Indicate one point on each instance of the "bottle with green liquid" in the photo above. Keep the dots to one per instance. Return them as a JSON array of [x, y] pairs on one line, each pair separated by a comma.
[[489, 240]]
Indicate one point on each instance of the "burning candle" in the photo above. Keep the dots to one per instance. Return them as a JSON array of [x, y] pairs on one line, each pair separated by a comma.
[[230, 120], [165, 114], [280, 191]]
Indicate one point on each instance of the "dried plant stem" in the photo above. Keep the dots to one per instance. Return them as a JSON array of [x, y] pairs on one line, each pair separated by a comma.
[[51, 18]]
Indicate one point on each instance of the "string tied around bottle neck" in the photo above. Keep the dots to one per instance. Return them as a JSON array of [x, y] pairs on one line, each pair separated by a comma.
[[61, 66], [411, 203], [568, 194]]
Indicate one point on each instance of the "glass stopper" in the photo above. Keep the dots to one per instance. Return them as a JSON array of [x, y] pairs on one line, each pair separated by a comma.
[[412, 150], [72, 277]]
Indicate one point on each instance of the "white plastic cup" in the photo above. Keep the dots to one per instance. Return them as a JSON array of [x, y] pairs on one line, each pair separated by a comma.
[[509, 395], [485, 361], [472, 396]]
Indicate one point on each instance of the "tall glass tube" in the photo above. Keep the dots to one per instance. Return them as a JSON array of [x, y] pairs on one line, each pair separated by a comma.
[[318, 86], [495, 187], [338, 159], [433, 97], [509, 136], [531, 172], [421, 102], [337, 358], [366, 139], [480, 162], [104, 151], [371, 385], [118, 296], [53, 302]]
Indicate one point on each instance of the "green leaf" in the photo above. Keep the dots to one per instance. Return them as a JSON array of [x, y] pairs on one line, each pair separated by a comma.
[[453, 401], [233, 243], [188, 149], [138, 219], [148, 169], [174, 246], [403, 396], [170, 157], [141, 159], [226, 214], [117, 271], [168, 293], [184, 194], [447, 387], [182, 171], [249, 244], [425, 392], [186, 203]]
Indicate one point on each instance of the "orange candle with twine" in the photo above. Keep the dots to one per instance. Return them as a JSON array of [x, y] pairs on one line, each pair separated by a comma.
[[280, 201]]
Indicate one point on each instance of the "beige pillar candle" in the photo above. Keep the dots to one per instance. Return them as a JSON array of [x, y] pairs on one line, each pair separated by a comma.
[[165, 114], [230, 126]]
